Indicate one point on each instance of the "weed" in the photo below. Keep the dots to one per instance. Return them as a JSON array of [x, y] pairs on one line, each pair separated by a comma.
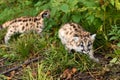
[[93, 15], [27, 43], [115, 35], [39, 74]]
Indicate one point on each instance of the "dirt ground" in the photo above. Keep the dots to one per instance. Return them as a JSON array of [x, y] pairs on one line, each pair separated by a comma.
[[106, 72]]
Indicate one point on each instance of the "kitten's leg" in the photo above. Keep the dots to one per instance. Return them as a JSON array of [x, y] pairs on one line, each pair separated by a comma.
[[8, 36], [39, 32], [67, 47], [91, 55]]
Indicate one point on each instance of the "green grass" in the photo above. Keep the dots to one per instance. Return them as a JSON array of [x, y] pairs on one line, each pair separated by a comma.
[[27, 43], [56, 58], [90, 14], [39, 74]]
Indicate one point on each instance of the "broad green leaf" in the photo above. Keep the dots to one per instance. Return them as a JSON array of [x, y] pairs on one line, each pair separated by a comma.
[[91, 18], [64, 8], [76, 18], [114, 38], [112, 2]]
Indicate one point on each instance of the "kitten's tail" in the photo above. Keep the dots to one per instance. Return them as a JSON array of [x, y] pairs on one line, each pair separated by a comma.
[[5, 25], [1, 27]]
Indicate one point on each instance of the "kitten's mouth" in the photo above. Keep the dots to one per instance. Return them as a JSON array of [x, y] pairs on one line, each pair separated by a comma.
[[85, 52]]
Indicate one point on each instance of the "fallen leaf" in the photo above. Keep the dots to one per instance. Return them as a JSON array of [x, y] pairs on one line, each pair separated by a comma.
[[48, 73], [68, 73]]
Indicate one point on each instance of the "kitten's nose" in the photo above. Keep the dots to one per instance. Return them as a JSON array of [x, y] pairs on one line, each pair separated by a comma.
[[86, 51]]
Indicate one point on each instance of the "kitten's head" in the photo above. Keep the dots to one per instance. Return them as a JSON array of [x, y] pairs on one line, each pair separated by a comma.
[[84, 43], [45, 14]]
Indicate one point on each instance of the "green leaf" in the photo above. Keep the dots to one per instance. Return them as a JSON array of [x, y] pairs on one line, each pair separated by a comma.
[[114, 38], [112, 2], [53, 12], [118, 32], [64, 8], [91, 18], [38, 4], [28, 2], [72, 3], [112, 33], [114, 60], [76, 18], [118, 44], [117, 4], [65, 18]]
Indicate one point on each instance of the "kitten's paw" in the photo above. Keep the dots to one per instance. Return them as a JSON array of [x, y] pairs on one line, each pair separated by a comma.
[[96, 60]]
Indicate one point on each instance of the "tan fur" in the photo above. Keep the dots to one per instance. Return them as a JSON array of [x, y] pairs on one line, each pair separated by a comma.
[[24, 24], [74, 37]]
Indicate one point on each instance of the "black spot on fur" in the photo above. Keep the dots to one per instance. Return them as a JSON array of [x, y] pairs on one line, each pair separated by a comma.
[[21, 23], [38, 23], [70, 28], [15, 20], [1, 27], [37, 26], [26, 24], [30, 19], [24, 20], [31, 23], [70, 33], [71, 24], [76, 29], [38, 19], [23, 28], [66, 33], [35, 19], [75, 35], [19, 20]]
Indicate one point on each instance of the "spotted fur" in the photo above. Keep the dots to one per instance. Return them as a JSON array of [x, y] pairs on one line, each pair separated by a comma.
[[24, 24], [74, 37]]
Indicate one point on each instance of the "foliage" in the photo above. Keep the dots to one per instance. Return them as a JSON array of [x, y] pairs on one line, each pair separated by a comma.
[[28, 43], [2, 34], [39, 75], [58, 59], [115, 35], [115, 38], [96, 16]]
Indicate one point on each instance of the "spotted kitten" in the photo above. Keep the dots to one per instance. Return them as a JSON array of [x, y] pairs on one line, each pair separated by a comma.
[[74, 37], [24, 24]]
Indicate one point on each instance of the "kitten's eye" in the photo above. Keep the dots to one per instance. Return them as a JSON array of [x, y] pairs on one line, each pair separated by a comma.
[[45, 13], [89, 43], [81, 44]]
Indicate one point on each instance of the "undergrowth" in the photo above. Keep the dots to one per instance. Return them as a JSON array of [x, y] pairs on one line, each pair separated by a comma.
[[95, 16]]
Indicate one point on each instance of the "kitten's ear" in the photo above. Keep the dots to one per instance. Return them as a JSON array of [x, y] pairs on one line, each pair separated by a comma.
[[76, 39], [44, 14], [93, 36]]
